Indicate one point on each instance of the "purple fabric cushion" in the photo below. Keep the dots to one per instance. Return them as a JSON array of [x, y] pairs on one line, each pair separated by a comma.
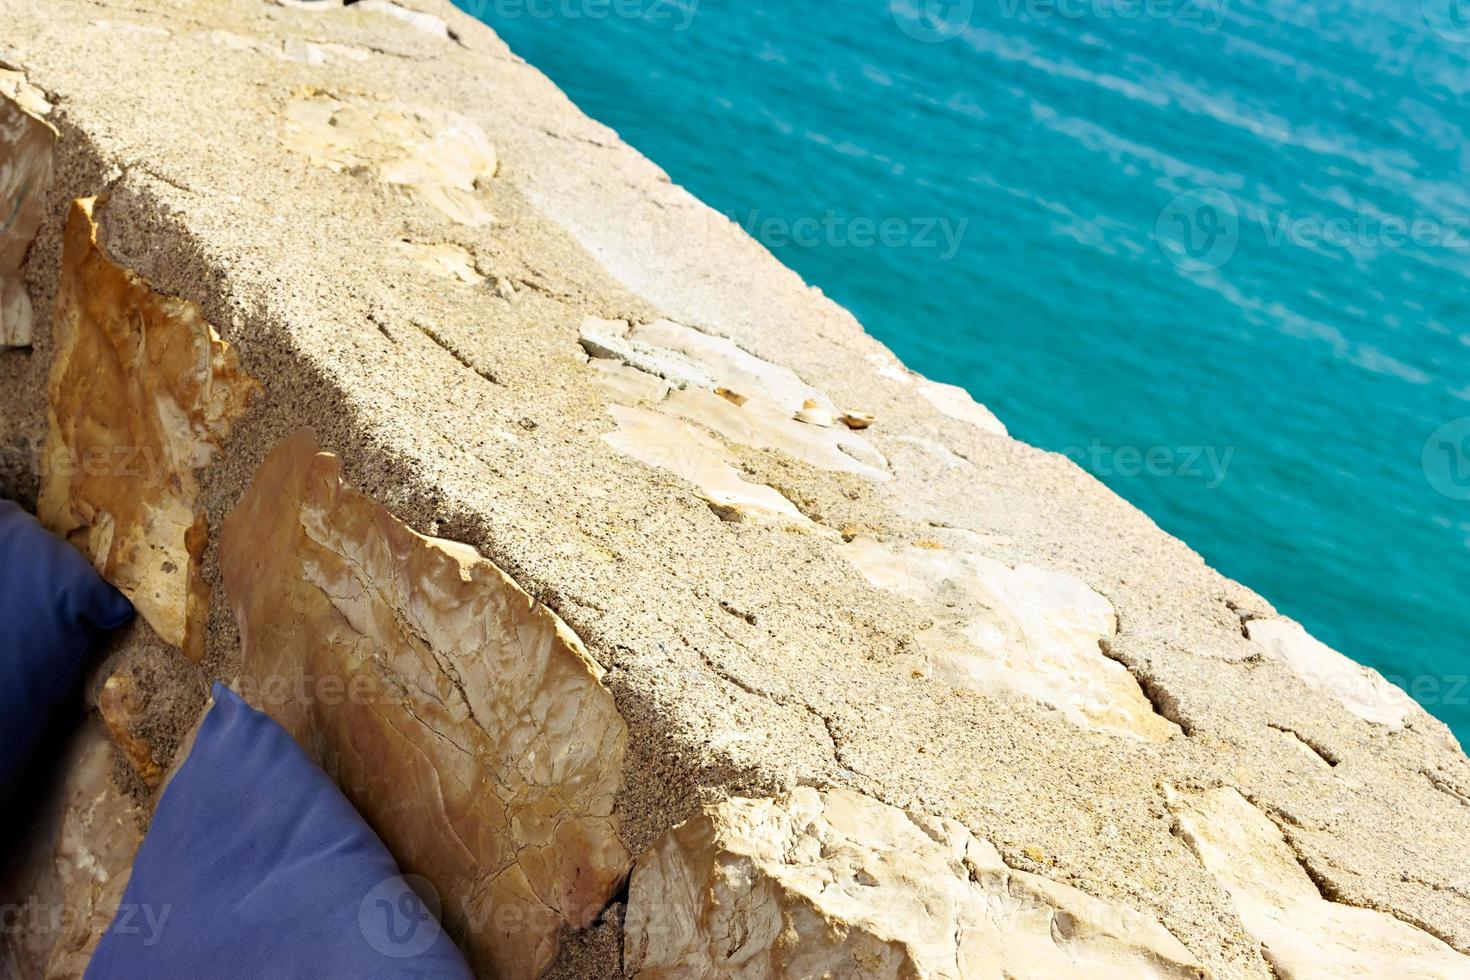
[[256, 866], [54, 612]]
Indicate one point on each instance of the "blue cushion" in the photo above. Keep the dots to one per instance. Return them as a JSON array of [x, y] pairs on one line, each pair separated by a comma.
[[256, 866], [54, 609]]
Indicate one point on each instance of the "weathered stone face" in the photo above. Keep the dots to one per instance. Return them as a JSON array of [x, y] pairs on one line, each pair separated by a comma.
[[122, 704], [1362, 691], [463, 719], [691, 377], [435, 155], [959, 404], [1011, 632], [27, 142], [837, 884], [59, 906], [142, 394], [1301, 933], [669, 444]]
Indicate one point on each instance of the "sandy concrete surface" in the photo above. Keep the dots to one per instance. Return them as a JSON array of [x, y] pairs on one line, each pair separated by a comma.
[[747, 656]]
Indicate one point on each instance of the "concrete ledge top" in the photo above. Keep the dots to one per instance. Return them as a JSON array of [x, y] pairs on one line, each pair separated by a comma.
[[519, 335]]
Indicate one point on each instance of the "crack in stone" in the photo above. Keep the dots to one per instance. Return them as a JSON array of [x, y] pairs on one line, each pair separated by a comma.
[[1317, 748], [1163, 702]]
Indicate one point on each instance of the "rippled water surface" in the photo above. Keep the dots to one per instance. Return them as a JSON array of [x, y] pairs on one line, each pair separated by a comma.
[[1214, 249]]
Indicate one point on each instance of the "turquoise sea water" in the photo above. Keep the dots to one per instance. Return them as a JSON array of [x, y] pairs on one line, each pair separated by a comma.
[[1217, 250]]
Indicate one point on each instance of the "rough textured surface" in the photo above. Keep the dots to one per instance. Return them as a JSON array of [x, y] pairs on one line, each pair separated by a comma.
[[26, 144], [1012, 632], [79, 848], [1362, 691], [142, 393], [464, 719], [836, 884], [1302, 934], [746, 657], [437, 156]]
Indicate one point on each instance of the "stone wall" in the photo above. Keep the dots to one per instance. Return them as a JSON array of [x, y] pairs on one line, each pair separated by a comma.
[[657, 617]]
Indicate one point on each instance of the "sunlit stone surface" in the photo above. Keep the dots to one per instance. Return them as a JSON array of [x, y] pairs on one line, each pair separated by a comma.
[[1302, 935], [1360, 690], [27, 142], [836, 884], [1014, 631], [463, 719], [437, 156], [142, 394]]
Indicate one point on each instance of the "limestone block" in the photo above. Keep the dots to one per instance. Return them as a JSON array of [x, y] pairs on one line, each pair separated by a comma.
[[27, 143], [142, 394], [419, 21], [436, 155], [836, 884], [80, 854], [1359, 689], [1303, 935], [612, 340], [762, 424], [441, 259], [629, 385], [957, 403], [669, 444], [1011, 632], [291, 49], [463, 719], [736, 369], [711, 381]]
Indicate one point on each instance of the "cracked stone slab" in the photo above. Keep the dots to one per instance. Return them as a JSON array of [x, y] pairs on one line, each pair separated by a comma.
[[27, 145], [1014, 631], [746, 400], [1361, 690], [735, 369], [438, 156], [142, 394], [669, 444], [462, 718], [836, 884], [1302, 934], [612, 340]]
